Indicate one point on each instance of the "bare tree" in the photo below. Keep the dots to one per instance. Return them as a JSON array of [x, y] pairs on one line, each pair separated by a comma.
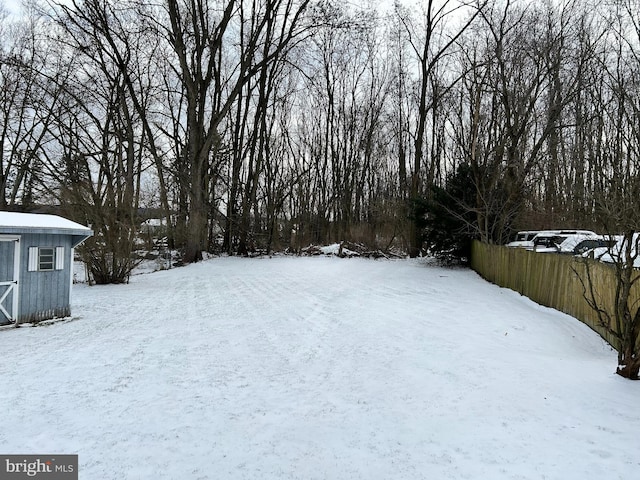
[[514, 93], [100, 135], [26, 103], [201, 35], [431, 43], [618, 195]]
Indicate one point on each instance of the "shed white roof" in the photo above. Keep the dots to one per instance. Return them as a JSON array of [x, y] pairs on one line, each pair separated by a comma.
[[12, 222]]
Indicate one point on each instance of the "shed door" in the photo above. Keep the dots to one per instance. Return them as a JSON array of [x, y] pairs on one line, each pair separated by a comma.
[[9, 275]]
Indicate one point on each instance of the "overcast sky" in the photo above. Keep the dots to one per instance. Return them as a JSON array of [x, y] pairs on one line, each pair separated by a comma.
[[13, 6]]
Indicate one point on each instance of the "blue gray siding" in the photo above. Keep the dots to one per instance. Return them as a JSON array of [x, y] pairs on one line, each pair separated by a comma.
[[44, 295], [6, 261]]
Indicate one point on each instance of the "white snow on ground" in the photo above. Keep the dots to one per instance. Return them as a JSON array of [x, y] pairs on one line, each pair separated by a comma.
[[318, 368], [334, 249]]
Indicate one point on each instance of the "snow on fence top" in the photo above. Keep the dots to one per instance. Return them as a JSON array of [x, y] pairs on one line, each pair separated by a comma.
[[12, 222]]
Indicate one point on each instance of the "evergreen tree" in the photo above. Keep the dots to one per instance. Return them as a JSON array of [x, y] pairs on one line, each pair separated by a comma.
[[447, 218]]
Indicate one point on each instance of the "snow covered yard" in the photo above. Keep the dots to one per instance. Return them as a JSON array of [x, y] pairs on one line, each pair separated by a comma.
[[318, 368]]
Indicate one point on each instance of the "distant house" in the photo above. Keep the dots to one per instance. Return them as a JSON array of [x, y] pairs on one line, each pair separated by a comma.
[[36, 266], [154, 226]]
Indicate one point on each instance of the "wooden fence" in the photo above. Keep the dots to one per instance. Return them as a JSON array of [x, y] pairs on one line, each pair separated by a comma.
[[551, 280]]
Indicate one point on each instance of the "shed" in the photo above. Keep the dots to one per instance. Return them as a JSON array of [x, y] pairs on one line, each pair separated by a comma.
[[36, 266]]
